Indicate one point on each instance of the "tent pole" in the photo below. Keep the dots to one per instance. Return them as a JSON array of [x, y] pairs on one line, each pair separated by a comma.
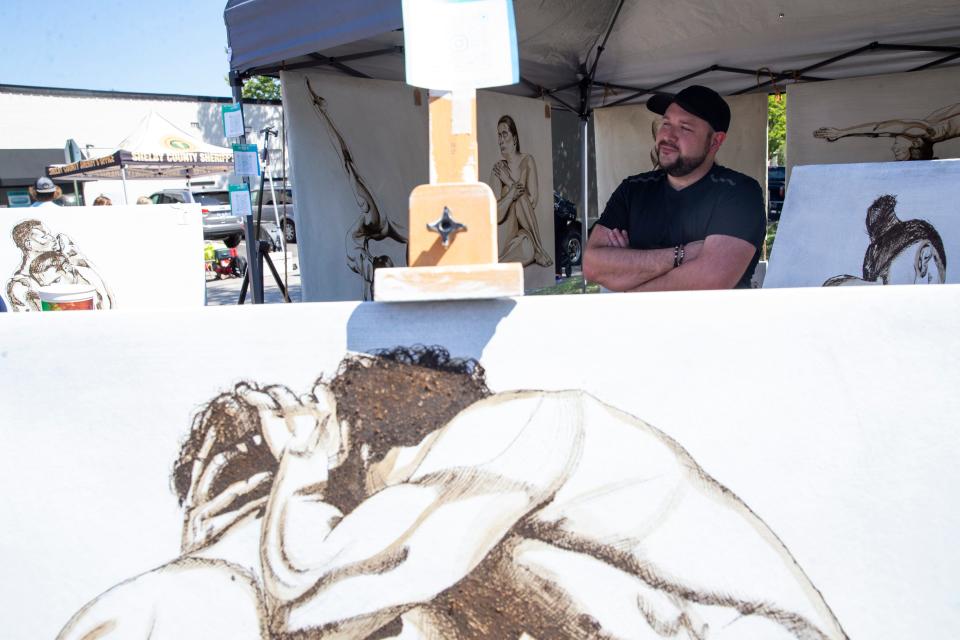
[[254, 267], [584, 187], [123, 177]]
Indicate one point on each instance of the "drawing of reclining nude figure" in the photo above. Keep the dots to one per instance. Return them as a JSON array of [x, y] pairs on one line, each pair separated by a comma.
[[403, 499]]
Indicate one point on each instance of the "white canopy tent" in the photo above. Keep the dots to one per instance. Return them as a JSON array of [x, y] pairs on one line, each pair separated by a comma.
[[156, 149], [582, 55]]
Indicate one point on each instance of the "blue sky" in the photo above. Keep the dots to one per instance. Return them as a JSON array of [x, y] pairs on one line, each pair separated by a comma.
[[174, 46]]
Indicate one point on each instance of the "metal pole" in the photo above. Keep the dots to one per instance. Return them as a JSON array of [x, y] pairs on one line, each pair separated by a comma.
[[254, 270], [585, 187], [123, 177]]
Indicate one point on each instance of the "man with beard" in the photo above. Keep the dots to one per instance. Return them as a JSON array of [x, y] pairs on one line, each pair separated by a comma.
[[691, 224]]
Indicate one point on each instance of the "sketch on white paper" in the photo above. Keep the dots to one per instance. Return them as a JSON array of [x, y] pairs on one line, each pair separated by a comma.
[[371, 225], [50, 258], [401, 498], [913, 138], [900, 251]]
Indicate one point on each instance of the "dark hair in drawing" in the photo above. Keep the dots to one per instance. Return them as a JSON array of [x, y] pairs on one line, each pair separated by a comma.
[[889, 236], [392, 398], [512, 126], [21, 232], [44, 261], [235, 423], [396, 397]]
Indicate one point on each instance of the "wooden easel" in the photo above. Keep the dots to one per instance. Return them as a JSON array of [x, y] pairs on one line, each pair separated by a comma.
[[452, 250]]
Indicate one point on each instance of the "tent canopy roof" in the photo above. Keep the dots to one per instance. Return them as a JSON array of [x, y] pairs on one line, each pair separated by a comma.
[[651, 45], [156, 149]]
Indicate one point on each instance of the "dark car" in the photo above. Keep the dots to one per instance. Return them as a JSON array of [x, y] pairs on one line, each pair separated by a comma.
[[776, 189], [567, 235]]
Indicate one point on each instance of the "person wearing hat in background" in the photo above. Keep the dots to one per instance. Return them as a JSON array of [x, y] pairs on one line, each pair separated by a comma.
[[45, 193], [690, 224]]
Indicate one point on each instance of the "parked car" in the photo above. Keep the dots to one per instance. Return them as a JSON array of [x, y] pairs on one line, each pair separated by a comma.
[[284, 203], [776, 189], [567, 235], [219, 223]]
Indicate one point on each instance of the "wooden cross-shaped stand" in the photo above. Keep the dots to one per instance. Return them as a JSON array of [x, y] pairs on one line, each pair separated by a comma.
[[452, 250]]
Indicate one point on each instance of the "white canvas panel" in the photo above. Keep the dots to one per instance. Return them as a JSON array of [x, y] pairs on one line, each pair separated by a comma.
[[135, 257], [520, 241], [876, 223], [364, 152], [357, 150], [626, 142], [882, 118], [836, 429]]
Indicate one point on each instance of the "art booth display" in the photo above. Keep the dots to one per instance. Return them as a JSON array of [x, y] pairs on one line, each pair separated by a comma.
[[465, 470], [360, 147], [869, 224], [886, 118], [122, 257], [626, 142]]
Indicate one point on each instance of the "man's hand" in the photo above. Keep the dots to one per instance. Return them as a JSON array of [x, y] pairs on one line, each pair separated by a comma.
[[617, 238]]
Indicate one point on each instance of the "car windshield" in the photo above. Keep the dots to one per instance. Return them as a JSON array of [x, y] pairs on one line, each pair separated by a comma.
[[212, 198]]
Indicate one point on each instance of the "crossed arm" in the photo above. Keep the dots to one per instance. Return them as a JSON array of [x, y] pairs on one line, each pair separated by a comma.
[[715, 263]]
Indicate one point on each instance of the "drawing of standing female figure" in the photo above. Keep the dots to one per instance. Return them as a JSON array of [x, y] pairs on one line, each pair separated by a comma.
[[514, 182]]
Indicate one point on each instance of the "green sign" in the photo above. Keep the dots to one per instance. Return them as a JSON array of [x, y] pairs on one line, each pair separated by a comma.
[[240, 199], [232, 120], [18, 198], [246, 162]]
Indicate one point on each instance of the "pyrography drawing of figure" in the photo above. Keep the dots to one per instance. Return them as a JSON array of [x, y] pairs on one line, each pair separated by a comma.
[[654, 156], [403, 499], [912, 139], [371, 225], [900, 252], [516, 186], [48, 259]]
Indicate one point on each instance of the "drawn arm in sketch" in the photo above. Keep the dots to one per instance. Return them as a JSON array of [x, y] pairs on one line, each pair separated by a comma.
[[508, 521], [515, 183], [900, 251], [22, 294], [913, 138], [213, 589], [371, 225]]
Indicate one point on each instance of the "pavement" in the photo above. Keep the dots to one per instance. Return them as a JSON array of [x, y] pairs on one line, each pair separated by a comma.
[[226, 290]]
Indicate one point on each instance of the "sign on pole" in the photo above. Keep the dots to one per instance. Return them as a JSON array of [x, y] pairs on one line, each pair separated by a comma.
[[246, 162], [240, 199], [232, 120]]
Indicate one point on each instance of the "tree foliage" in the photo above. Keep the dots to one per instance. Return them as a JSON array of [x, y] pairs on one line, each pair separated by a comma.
[[777, 129], [261, 88]]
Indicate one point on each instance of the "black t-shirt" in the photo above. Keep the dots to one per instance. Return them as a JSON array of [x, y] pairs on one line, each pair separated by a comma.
[[656, 216]]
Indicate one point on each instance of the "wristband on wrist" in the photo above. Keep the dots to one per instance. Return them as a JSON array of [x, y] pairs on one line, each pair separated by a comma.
[[678, 255]]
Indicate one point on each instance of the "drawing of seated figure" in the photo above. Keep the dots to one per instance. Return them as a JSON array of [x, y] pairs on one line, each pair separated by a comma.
[[913, 139], [403, 499], [516, 186], [900, 251]]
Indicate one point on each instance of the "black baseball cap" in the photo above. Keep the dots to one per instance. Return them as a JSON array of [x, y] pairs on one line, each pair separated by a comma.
[[703, 102], [45, 185]]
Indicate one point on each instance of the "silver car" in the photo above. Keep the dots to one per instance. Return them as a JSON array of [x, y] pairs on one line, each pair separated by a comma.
[[219, 223], [284, 205]]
